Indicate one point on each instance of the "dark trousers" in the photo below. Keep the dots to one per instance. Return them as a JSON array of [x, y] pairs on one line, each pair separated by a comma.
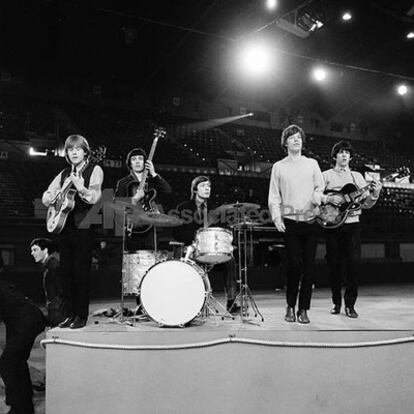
[[14, 369], [76, 247], [343, 250], [301, 240], [56, 311], [230, 277]]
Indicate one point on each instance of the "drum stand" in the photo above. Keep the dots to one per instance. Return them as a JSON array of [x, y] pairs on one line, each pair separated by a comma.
[[245, 295], [213, 306], [119, 316]]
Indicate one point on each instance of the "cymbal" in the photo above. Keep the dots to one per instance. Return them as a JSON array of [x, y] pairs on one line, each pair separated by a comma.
[[119, 206], [245, 223], [156, 219], [237, 206]]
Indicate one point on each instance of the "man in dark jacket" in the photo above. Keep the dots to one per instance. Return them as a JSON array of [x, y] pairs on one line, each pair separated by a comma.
[[128, 189], [24, 321], [42, 251]]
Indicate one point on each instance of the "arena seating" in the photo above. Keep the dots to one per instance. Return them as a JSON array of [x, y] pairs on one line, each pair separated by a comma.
[[188, 145]]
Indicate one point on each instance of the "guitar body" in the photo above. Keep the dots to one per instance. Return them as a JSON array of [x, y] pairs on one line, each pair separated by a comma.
[[64, 202], [147, 202], [149, 206], [331, 216], [58, 212]]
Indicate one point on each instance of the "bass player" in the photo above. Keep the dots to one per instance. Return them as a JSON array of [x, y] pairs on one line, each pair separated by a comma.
[[128, 188], [343, 244], [76, 240]]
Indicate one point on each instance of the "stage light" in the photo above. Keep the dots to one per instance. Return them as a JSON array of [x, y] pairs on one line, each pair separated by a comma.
[[309, 22], [271, 4], [256, 59], [410, 35], [319, 74], [402, 90], [346, 16], [35, 153]]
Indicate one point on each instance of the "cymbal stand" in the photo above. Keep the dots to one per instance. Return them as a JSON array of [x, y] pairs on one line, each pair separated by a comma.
[[135, 316], [119, 316], [213, 306], [245, 295]]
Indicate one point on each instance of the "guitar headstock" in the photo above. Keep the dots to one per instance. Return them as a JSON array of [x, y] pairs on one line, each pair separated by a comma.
[[399, 174], [97, 155], [160, 132]]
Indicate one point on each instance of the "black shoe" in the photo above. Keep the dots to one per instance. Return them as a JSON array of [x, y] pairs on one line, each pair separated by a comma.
[[139, 310], [78, 322], [290, 314], [350, 312], [235, 308], [336, 309], [66, 323], [20, 411], [232, 307], [303, 316]]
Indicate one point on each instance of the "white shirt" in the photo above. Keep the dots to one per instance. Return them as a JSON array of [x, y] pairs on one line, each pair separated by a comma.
[[91, 196]]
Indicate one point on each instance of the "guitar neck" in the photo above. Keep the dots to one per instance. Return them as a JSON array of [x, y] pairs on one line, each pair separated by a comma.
[[360, 191], [150, 157]]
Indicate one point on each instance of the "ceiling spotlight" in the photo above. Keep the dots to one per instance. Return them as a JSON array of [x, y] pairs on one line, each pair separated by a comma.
[[402, 90], [256, 59], [309, 22], [346, 16], [410, 35], [319, 74], [271, 4]]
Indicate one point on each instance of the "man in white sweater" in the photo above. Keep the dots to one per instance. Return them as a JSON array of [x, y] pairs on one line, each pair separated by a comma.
[[343, 244], [296, 189]]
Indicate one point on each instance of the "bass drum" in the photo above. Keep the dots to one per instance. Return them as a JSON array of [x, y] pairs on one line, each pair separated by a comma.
[[174, 292]]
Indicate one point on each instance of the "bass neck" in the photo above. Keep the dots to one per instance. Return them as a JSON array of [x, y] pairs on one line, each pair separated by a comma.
[[159, 132], [145, 172]]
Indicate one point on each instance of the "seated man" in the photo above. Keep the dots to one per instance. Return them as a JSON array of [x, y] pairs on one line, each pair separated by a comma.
[[43, 253], [194, 213], [24, 321]]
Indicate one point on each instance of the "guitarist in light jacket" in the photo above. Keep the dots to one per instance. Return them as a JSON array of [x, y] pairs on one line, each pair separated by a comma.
[[76, 241], [127, 188], [343, 244]]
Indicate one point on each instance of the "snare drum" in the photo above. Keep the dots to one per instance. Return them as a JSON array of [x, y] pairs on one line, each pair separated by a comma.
[[174, 292], [135, 265], [213, 245]]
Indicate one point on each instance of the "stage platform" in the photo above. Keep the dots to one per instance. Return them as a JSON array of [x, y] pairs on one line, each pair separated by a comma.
[[333, 365]]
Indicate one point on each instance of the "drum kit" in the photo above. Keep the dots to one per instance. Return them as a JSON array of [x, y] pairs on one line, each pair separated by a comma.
[[175, 291]]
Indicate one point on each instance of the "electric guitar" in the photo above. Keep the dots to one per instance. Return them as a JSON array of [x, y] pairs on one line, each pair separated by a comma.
[[64, 201], [332, 216], [147, 202]]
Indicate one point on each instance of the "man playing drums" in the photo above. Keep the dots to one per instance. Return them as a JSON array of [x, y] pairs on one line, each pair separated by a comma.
[[194, 214]]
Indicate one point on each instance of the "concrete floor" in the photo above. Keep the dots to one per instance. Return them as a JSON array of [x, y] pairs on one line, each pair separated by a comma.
[[385, 312]]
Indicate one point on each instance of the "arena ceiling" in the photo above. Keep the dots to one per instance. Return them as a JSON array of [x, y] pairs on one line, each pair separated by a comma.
[[192, 44]]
